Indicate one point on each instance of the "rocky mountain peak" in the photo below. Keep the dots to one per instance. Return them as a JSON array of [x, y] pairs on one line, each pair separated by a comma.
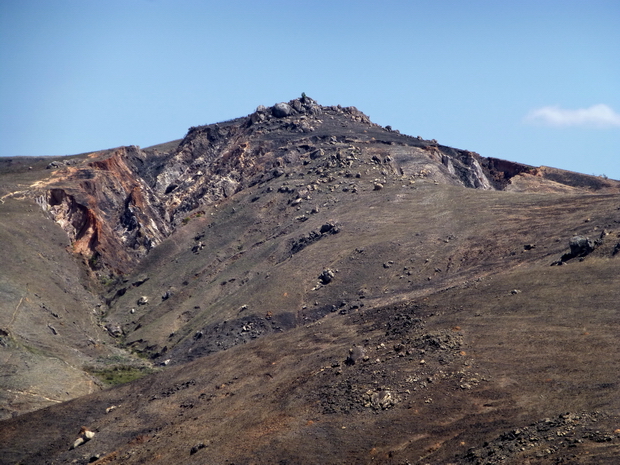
[[116, 205]]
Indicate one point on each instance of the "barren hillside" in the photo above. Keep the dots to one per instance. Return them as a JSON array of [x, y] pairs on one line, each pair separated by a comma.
[[302, 285]]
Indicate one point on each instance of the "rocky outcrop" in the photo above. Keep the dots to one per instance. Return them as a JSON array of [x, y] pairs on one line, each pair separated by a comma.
[[78, 221], [118, 205], [466, 166], [109, 212], [500, 172], [580, 246]]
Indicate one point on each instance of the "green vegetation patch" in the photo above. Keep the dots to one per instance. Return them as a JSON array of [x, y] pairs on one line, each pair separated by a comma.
[[120, 374], [119, 369]]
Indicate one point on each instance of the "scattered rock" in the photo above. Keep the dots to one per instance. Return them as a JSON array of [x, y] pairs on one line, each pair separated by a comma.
[[299, 244], [439, 340], [85, 435], [326, 276], [554, 438], [196, 448], [54, 165], [379, 400], [143, 300], [198, 247], [356, 354]]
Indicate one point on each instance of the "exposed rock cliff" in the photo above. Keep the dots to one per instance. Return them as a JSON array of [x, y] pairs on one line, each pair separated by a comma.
[[106, 207]]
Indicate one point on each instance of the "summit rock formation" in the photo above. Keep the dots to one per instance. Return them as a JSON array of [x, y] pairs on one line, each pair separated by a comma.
[[302, 285]]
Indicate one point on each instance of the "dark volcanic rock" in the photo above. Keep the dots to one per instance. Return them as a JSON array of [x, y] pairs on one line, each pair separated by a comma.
[[313, 236], [326, 276], [580, 246], [356, 354], [551, 440]]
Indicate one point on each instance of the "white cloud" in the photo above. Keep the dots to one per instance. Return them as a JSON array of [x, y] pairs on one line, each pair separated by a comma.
[[597, 115]]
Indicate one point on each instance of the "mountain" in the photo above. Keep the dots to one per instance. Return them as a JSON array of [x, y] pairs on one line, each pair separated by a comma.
[[301, 285]]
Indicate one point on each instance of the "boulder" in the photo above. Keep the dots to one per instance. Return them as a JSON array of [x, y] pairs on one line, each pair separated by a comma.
[[114, 329], [196, 448], [85, 435], [54, 165], [78, 442], [281, 110], [326, 276], [580, 246], [356, 354], [329, 228], [297, 106]]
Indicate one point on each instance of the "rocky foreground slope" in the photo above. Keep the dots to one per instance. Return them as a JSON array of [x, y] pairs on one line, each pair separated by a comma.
[[306, 286]]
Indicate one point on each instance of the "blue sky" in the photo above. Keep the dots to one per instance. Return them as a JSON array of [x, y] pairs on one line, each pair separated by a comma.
[[536, 82]]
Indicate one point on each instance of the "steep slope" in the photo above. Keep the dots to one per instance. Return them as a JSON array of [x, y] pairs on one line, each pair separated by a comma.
[[515, 364], [252, 197], [251, 256], [48, 318]]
